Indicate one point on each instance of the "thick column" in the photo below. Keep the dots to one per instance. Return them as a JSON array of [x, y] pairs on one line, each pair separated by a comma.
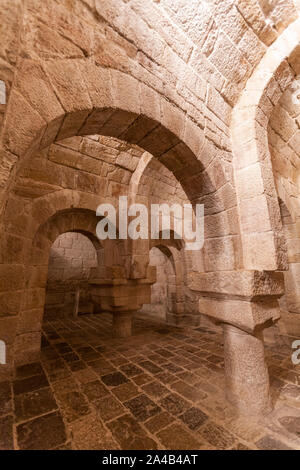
[[247, 377], [122, 324]]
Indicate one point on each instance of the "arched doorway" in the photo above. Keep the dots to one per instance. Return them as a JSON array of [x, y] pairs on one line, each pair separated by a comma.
[[290, 302], [163, 292], [72, 257]]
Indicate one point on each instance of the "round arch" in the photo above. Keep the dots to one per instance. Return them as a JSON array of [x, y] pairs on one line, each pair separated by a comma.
[[63, 99], [99, 101], [79, 220], [259, 214], [80, 98], [168, 291]]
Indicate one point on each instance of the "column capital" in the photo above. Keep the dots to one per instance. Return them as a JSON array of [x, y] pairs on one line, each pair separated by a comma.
[[246, 299]]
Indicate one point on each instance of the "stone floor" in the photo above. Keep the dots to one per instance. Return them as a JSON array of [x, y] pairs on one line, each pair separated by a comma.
[[161, 389]]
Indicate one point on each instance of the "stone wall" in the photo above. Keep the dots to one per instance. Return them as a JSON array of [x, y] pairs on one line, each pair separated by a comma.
[[10, 24], [164, 77], [71, 258], [290, 302], [284, 144]]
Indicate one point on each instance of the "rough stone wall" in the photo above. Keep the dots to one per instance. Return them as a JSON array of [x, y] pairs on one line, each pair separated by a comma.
[[292, 298], [158, 184], [71, 258], [284, 144], [10, 30], [106, 164], [241, 28]]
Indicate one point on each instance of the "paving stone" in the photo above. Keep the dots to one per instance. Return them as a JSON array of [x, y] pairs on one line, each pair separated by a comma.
[[94, 390], [78, 365], [130, 435], [70, 357], [30, 384], [89, 433], [291, 424], [159, 422], [175, 437], [85, 375], [6, 433], [109, 408], [30, 405], [188, 392], [166, 378], [271, 443], [5, 398], [142, 379], [115, 379], [43, 433], [130, 370], [174, 404], [125, 391], [73, 405], [217, 436], [150, 367], [155, 389], [193, 418], [240, 446], [29, 370], [142, 407]]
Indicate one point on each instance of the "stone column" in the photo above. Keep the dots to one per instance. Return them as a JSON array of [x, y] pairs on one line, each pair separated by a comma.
[[122, 324], [247, 377]]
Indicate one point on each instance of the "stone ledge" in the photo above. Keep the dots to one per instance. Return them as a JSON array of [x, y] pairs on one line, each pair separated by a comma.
[[249, 285], [246, 315]]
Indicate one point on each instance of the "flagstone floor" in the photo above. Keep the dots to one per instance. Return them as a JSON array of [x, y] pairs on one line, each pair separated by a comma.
[[161, 389]]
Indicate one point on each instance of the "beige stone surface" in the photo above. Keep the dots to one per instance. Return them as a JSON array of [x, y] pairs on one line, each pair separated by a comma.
[[167, 103]]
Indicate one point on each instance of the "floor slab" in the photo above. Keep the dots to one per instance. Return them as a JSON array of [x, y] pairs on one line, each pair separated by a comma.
[[164, 386]]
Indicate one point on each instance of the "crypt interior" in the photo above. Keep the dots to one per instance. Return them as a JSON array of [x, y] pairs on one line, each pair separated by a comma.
[[133, 344]]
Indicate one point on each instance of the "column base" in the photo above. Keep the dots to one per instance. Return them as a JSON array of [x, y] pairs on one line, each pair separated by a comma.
[[122, 324], [247, 377]]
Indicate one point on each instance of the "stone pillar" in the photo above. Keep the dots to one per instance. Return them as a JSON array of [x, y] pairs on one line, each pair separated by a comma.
[[122, 324], [247, 377]]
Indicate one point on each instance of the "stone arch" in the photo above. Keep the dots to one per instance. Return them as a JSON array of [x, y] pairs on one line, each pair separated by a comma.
[[221, 231], [170, 249], [262, 235], [174, 250], [63, 99], [290, 302], [72, 257], [285, 204], [283, 135], [80, 98], [76, 219], [99, 101], [82, 221]]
